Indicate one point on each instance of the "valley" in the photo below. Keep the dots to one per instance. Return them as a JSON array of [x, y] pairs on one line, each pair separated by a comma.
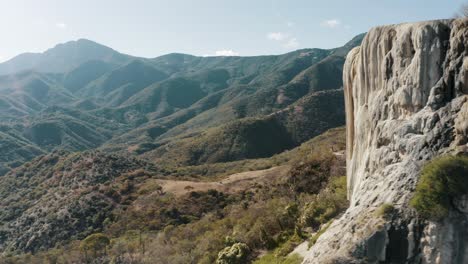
[[134, 149], [144, 107], [353, 154]]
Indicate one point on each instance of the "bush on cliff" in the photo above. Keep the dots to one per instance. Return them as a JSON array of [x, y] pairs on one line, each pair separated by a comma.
[[441, 180]]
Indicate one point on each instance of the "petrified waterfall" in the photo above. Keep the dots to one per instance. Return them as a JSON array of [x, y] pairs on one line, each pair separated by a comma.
[[406, 91]]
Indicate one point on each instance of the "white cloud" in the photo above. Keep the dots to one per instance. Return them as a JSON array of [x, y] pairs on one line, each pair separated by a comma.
[[61, 25], [278, 36], [332, 23], [292, 43], [286, 40], [226, 53]]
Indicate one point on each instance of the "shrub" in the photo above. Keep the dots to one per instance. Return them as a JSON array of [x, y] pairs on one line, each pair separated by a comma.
[[385, 210], [96, 242], [311, 175], [327, 204], [288, 246], [441, 180], [235, 254], [272, 259]]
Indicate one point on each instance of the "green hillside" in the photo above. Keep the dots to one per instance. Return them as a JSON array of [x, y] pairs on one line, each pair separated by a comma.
[[57, 200], [101, 146], [138, 106]]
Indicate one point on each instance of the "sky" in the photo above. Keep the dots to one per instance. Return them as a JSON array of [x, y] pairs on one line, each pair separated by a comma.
[[150, 28]]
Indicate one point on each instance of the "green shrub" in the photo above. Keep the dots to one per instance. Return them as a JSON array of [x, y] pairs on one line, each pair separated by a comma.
[[235, 254], [441, 180], [271, 258], [311, 175], [385, 210], [96, 243], [288, 246], [327, 204]]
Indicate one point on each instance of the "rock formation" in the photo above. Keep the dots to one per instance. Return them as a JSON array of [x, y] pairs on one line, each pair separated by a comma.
[[406, 91]]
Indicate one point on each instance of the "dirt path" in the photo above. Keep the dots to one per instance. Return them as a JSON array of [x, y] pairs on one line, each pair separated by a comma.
[[233, 183]]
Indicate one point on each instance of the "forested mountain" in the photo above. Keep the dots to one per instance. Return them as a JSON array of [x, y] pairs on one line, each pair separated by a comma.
[[98, 143], [354, 152], [82, 95]]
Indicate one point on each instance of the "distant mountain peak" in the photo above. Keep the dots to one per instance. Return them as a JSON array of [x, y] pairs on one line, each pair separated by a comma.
[[79, 43], [64, 57], [84, 40]]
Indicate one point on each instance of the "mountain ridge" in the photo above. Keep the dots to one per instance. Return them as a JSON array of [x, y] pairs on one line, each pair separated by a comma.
[[145, 103], [62, 57], [90, 144]]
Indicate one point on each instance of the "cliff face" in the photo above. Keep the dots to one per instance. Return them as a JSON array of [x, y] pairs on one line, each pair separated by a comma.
[[406, 92]]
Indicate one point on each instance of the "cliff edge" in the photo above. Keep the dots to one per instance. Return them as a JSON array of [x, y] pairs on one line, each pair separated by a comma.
[[406, 93]]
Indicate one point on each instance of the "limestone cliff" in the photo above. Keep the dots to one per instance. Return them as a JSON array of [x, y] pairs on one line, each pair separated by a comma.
[[406, 91]]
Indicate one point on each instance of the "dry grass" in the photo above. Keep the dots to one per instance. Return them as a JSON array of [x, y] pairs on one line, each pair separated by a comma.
[[231, 184]]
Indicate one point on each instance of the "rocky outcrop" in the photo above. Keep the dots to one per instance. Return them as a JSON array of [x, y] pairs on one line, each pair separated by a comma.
[[406, 93]]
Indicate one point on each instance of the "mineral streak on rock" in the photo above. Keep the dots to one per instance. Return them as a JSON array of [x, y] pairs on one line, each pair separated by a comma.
[[406, 92]]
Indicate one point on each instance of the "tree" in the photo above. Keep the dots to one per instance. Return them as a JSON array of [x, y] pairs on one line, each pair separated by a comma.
[[97, 243], [235, 254]]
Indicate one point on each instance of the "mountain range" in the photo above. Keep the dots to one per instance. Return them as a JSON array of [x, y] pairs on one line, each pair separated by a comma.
[[92, 141], [111, 158], [176, 109]]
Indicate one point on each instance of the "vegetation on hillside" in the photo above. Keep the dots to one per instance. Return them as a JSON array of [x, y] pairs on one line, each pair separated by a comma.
[[140, 106], [62, 196], [273, 259], [325, 144], [89, 135], [145, 223]]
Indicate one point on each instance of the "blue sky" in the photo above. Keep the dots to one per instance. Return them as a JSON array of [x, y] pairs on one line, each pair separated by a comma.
[[203, 27]]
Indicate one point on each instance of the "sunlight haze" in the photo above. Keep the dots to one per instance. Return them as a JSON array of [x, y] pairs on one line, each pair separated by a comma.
[[207, 27]]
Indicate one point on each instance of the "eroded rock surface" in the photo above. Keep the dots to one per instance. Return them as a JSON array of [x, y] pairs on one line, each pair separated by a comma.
[[406, 91]]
